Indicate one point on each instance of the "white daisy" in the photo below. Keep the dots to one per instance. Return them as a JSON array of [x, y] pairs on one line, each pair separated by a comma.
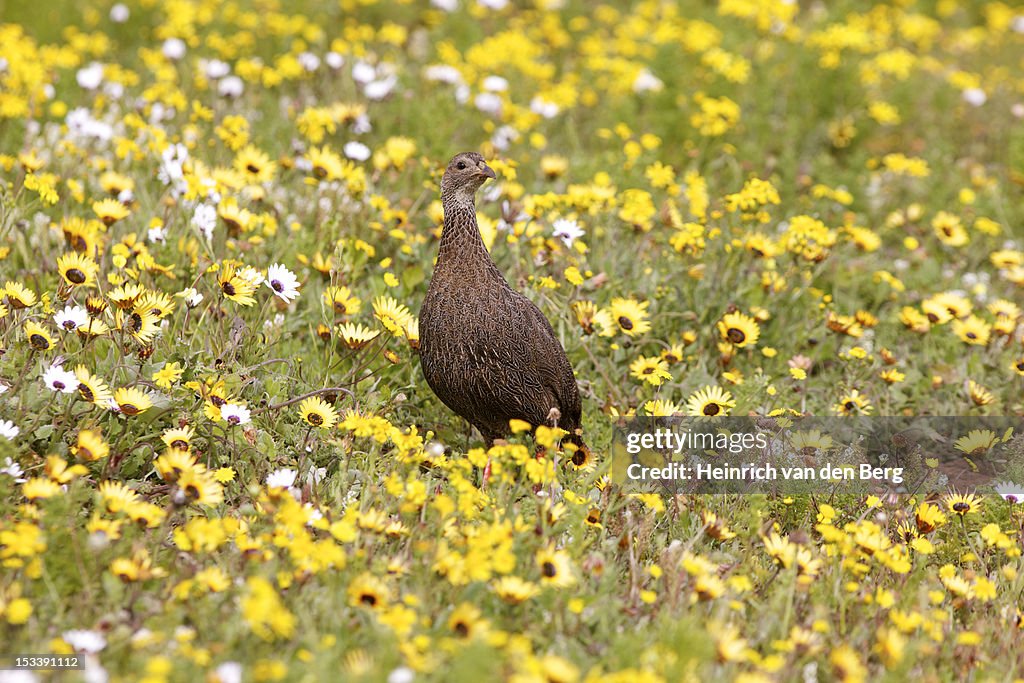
[[356, 151], [8, 430], [85, 641], [281, 479], [283, 282], [13, 469], [568, 231], [1014, 493], [56, 378], [235, 414], [71, 318]]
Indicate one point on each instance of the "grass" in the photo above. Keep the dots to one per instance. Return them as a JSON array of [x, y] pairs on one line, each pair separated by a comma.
[[842, 183]]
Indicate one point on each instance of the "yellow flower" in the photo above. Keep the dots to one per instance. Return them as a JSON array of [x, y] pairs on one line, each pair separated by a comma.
[[168, 375], [739, 330], [110, 211], [90, 446], [652, 370], [630, 316], [709, 402], [77, 269], [38, 337], [132, 401], [254, 165], [318, 413], [555, 567], [963, 504], [92, 388]]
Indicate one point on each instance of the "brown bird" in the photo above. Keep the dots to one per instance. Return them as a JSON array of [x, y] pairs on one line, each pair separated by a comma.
[[486, 350]]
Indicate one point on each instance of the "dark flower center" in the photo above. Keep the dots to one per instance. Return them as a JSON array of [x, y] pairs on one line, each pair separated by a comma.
[[86, 391], [579, 457], [38, 341], [129, 409], [971, 335], [961, 507], [461, 629], [276, 285], [180, 444], [252, 168], [625, 323], [58, 385], [712, 409], [368, 599], [736, 336], [76, 276], [315, 419], [850, 405], [229, 289], [549, 570]]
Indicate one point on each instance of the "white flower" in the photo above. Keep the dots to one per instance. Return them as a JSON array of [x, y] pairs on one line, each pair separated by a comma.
[[1014, 493], [119, 13], [974, 96], [281, 479], [495, 84], [157, 234], [402, 674], [445, 5], [172, 162], [309, 61], [235, 413], [1017, 110], [17, 676], [1018, 23], [493, 4], [548, 110], [13, 469], [8, 430], [378, 90], [216, 69], [56, 378], [174, 48], [361, 125], [229, 672], [488, 103], [443, 73], [363, 72], [566, 230], [191, 296], [90, 77], [646, 81], [334, 60], [356, 150], [71, 318], [232, 86], [204, 217], [252, 275], [504, 136], [283, 282], [81, 123], [85, 641]]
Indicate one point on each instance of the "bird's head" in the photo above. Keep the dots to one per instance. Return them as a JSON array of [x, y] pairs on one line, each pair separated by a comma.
[[465, 173]]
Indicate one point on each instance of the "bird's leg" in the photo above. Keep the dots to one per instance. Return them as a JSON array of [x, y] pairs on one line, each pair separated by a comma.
[[486, 476]]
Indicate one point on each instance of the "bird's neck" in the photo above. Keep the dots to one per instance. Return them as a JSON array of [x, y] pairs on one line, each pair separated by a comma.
[[460, 239]]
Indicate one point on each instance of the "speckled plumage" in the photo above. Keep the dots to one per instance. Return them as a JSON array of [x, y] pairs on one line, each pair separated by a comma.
[[486, 350]]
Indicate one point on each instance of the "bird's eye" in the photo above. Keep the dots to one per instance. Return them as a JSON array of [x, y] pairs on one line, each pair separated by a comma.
[[461, 166]]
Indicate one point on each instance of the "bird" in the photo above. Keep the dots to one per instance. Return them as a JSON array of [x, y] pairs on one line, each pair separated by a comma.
[[486, 350]]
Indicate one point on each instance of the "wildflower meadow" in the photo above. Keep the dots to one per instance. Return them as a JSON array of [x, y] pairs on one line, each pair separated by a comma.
[[219, 459]]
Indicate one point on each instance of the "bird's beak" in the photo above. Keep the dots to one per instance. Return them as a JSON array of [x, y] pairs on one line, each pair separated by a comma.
[[486, 170]]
